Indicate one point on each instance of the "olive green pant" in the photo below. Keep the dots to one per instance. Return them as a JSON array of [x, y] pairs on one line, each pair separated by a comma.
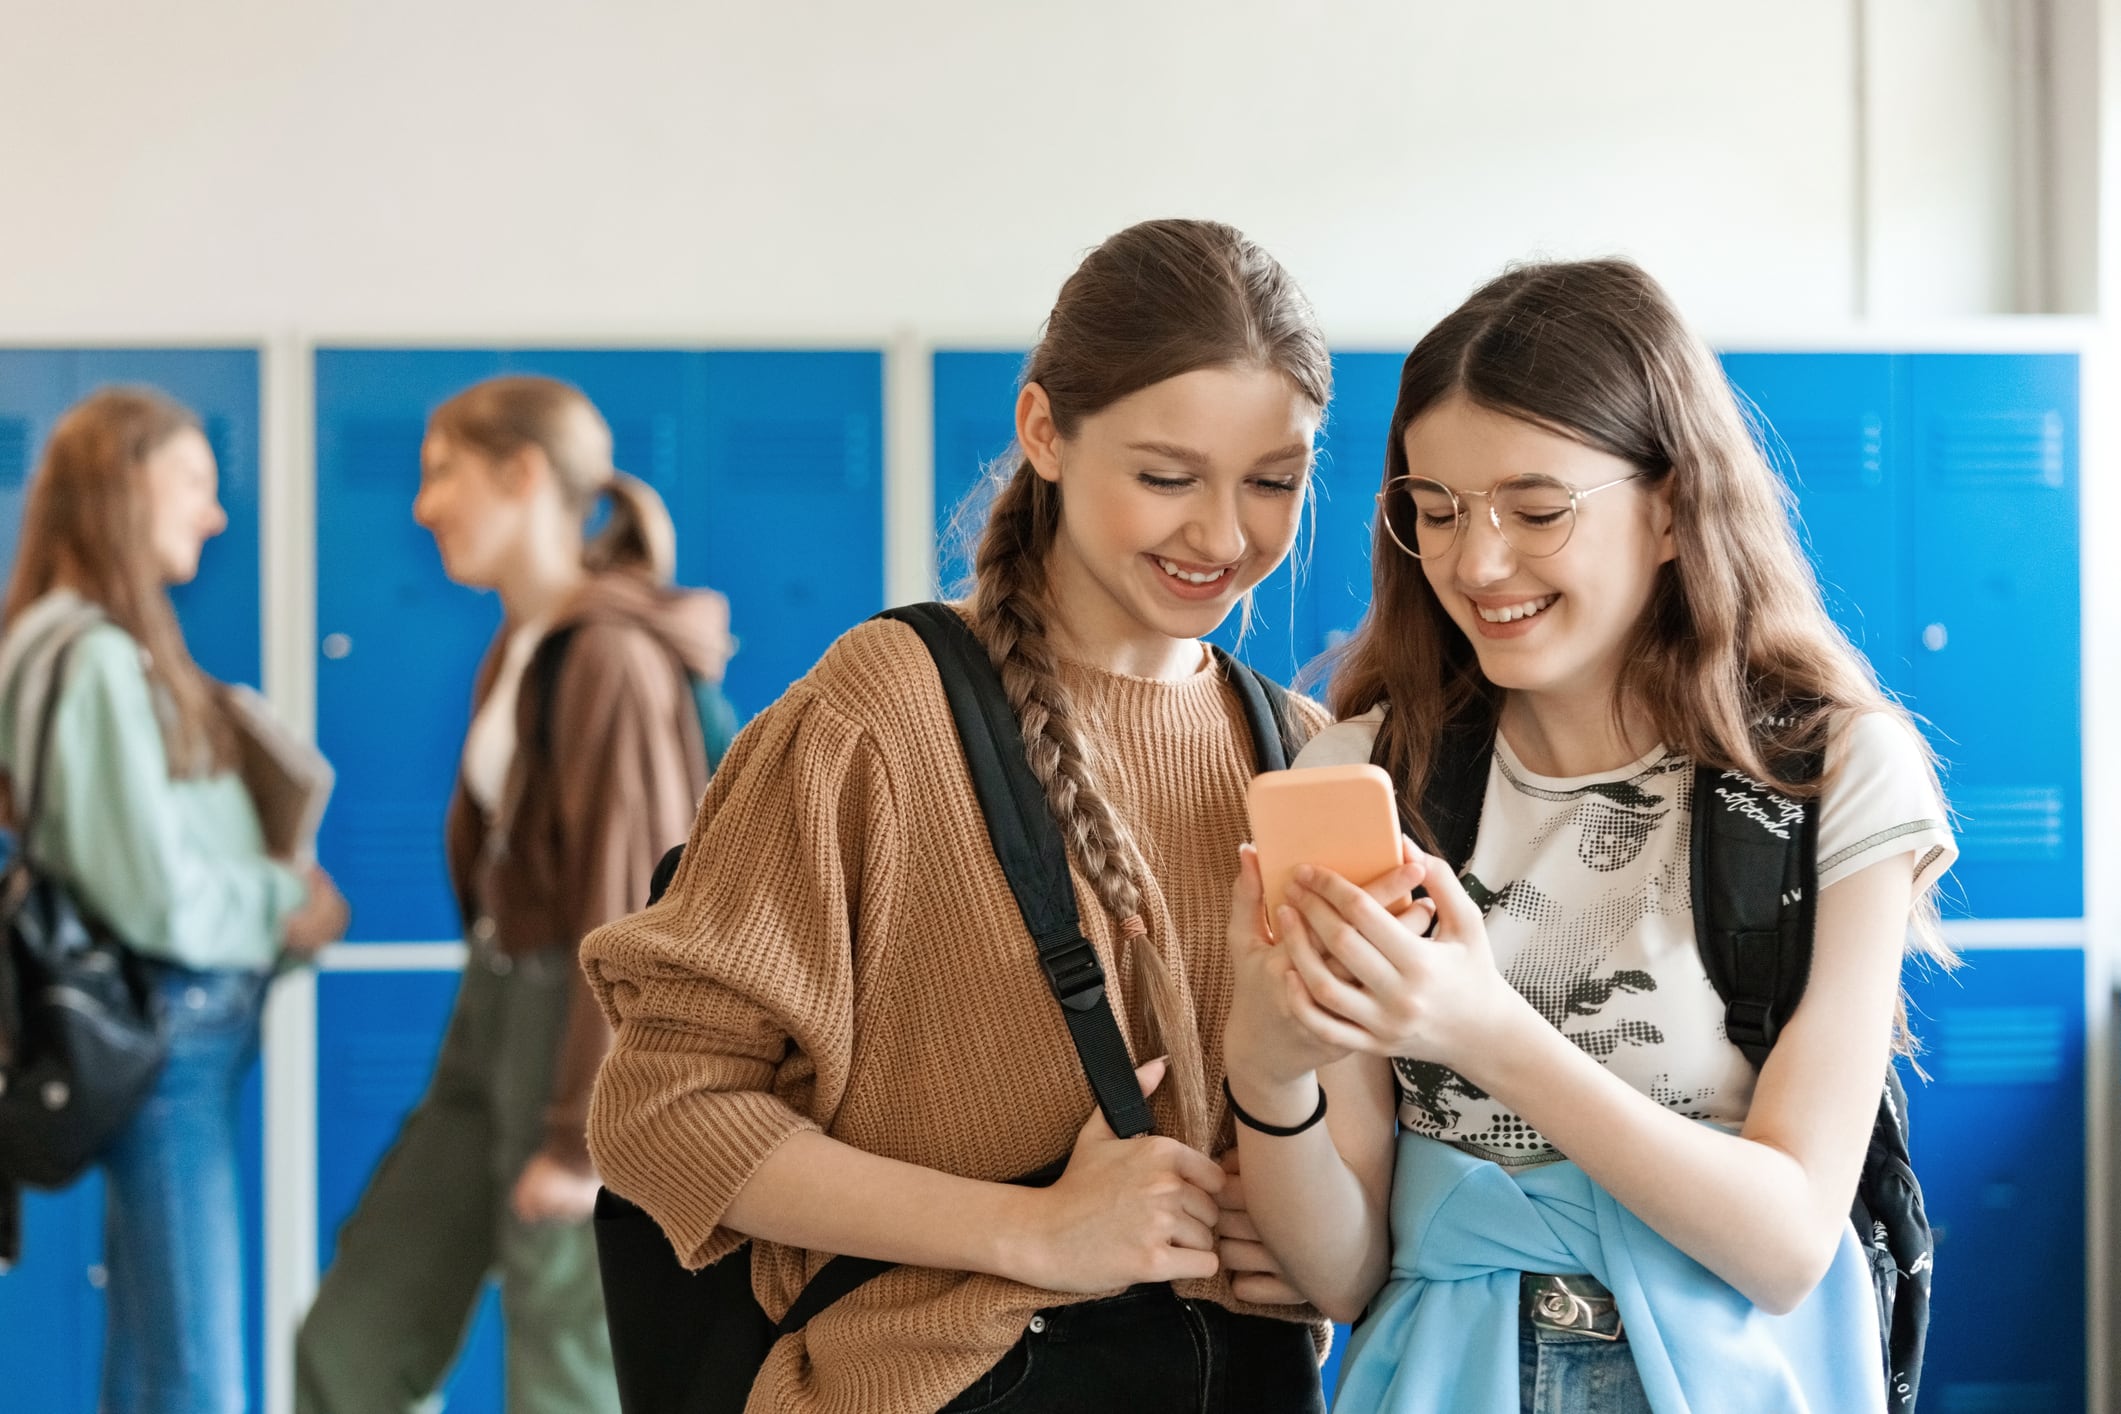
[[435, 1222]]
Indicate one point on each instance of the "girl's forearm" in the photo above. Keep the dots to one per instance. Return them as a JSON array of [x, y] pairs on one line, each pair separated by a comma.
[[819, 1194], [1327, 1227], [1747, 1211]]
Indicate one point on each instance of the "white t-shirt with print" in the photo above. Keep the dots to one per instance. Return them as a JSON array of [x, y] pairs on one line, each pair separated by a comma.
[[1584, 882]]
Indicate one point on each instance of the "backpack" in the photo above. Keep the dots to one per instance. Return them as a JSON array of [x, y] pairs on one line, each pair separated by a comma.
[[81, 1038], [1755, 872], [716, 715], [687, 1342]]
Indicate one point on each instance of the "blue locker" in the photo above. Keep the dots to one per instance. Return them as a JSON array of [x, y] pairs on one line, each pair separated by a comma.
[[1995, 599], [1351, 469], [794, 475], [1938, 497], [772, 464], [219, 609], [975, 423], [1830, 426], [398, 644], [377, 1037], [391, 705], [51, 1306], [1998, 1140]]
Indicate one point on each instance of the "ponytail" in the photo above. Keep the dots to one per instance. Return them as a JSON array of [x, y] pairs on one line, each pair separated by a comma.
[[639, 538]]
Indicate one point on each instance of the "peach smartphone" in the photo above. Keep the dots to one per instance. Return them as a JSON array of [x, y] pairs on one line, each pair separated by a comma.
[[1337, 817]]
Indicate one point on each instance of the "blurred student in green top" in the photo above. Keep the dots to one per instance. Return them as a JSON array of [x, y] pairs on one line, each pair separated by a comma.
[[143, 816]]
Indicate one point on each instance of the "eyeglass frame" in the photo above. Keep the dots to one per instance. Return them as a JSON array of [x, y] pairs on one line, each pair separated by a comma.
[[1458, 504]]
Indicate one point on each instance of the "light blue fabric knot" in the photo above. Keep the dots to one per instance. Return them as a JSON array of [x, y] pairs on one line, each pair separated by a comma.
[[1441, 1337]]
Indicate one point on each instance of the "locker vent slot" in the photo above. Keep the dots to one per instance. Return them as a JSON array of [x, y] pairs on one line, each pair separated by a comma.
[[381, 453], [2016, 824], [14, 453], [1832, 454], [647, 447], [814, 454], [1998, 449], [2000, 1045], [1996, 1397]]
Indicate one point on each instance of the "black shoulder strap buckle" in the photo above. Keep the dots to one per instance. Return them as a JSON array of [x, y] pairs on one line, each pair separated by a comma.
[[1072, 970]]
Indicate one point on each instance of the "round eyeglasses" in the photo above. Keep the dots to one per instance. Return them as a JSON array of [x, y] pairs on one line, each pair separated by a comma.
[[1535, 515]]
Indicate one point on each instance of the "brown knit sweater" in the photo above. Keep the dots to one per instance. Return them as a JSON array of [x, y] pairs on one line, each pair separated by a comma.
[[840, 952]]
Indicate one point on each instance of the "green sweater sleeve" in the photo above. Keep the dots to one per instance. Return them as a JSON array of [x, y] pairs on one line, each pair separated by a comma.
[[177, 867]]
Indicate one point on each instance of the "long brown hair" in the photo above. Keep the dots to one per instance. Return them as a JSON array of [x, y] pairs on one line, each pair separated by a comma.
[[503, 416], [1735, 662], [87, 526], [1155, 301]]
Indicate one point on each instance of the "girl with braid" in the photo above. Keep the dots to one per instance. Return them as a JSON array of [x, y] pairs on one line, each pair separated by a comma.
[[834, 1035]]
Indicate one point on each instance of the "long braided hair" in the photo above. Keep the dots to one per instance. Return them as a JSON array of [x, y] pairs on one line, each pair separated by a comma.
[[1157, 300]]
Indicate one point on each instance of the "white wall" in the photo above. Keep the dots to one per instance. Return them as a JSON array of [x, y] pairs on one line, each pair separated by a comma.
[[453, 168]]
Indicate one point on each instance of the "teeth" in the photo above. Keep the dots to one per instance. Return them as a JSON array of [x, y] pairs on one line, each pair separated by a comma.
[[1188, 575], [1515, 612]]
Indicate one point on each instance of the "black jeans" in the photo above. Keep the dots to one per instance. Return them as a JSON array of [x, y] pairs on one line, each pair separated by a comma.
[[1148, 1352]]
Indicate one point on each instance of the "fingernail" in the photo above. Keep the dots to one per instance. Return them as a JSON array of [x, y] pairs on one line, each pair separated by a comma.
[[1305, 873]]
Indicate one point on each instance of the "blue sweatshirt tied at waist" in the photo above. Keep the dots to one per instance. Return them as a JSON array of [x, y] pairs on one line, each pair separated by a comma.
[[1441, 1337]]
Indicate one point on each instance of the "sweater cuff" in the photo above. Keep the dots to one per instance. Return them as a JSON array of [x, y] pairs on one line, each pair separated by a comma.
[[691, 1169]]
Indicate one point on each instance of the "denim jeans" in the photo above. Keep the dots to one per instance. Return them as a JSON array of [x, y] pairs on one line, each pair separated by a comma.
[[173, 1228], [1148, 1352], [1576, 1372]]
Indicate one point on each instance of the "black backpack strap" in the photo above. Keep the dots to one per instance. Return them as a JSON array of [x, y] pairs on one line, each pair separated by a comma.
[[1457, 789], [1267, 714], [1755, 867], [666, 869], [544, 674], [1033, 857]]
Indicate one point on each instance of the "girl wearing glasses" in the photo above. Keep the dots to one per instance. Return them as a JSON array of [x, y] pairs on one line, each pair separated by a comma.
[[1580, 551]]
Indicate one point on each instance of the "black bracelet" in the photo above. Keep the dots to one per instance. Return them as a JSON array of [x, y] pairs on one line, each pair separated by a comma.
[[1279, 1131]]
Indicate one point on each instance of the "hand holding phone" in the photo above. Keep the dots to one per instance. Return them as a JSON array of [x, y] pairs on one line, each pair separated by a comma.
[[1340, 818]]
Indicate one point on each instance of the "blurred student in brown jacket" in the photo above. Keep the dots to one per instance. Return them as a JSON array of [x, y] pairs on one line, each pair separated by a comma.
[[561, 810]]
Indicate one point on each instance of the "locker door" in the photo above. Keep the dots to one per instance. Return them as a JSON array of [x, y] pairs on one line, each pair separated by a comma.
[[398, 643], [975, 408], [1828, 424], [795, 476], [392, 705], [1351, 470], [36, 385], [378, 1034], [1998, 1142], [1994, 618], [51, 1306]]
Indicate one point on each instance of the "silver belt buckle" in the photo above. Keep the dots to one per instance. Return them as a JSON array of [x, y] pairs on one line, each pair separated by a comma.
[[1558, 1306]]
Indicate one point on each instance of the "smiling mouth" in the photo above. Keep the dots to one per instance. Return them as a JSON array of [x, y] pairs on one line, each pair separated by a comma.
[[1511, 613], [1185, 576]]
